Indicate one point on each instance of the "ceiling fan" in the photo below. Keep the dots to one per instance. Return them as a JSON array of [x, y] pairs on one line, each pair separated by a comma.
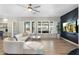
[[30, 7]]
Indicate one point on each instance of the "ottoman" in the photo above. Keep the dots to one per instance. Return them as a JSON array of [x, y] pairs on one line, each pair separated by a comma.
[[33, 47]]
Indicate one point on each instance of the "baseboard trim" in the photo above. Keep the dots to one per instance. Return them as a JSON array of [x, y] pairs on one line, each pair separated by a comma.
[[22, 54], [70, 41]]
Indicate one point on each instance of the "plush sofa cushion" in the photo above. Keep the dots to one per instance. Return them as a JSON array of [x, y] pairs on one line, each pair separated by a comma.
[[25, 34], [21, 37], [10, 39]]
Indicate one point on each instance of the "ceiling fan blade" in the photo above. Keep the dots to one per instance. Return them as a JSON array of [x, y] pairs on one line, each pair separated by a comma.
[[36, 6], [21, 5], [35, 10]]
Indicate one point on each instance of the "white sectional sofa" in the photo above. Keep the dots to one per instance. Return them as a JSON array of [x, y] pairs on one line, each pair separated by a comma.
[[11, 46]]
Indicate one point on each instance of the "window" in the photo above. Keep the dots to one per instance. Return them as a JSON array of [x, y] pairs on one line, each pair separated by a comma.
[[43, 27], [27, 26]]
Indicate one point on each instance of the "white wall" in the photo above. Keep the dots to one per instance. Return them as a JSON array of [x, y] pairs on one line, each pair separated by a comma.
[[19, 23], [36, 19], [21, 26]]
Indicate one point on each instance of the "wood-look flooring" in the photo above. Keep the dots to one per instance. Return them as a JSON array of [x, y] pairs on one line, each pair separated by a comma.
[[51, 46], [57, 47], [1, 47]]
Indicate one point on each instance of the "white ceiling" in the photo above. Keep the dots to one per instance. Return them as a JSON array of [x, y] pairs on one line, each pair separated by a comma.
[[46, 10]]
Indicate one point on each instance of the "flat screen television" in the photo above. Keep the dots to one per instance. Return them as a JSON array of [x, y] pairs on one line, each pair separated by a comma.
[[69, 26]]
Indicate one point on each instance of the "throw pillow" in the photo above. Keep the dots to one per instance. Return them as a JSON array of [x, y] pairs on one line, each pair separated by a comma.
[[25, 34]]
